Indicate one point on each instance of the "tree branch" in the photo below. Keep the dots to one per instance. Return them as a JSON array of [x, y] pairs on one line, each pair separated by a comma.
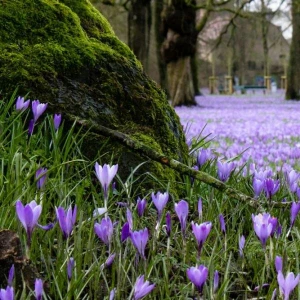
[[165, 160]]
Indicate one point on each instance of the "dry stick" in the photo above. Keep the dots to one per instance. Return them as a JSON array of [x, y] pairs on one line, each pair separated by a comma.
[[172, 163]]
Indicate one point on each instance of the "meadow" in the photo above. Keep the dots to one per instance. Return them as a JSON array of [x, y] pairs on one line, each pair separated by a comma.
[[92, 236]]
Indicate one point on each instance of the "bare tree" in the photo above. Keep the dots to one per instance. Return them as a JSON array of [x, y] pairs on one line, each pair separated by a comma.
[[293, 78]]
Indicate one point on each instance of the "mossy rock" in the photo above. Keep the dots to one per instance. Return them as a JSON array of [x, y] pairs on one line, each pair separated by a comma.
[[64, 52]]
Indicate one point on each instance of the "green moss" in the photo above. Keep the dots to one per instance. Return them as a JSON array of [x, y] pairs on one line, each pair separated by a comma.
[[65, 53]]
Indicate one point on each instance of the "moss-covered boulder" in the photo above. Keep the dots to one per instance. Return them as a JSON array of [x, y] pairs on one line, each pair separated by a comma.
[[64, 52]]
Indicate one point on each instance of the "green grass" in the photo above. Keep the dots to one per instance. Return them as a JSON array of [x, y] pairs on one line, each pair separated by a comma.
[[71, 180]]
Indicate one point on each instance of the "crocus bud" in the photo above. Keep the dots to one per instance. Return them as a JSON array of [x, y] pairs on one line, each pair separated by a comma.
[[278, 264], [141, 205], [11, 276], [70, 267], [112, 294], [182, 211], [125, 232], [56, 121], [241, 245], [38, 289], [216, 281], [168, 224], [222, 223], [40, 176]]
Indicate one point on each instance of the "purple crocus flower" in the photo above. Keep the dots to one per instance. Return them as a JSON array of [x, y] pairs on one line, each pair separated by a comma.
[[139, 240], [141, 206], [168, 224], [66, 219], [295, 208], [198, 276], [242, 241], [201, 232], [104, 230], [22, 105], [258, 186], [160, 201], [222, 223], [40, 176], [224, 170], [38, 109], [271, 187], [292, 178], [30, 127], [105, 175], [28, 216], [262, 227], [11, 276], [203, 156], [288, 283], [142, 288], [216, 281], [278, 264], [182, 211], [7, 294], [56, 121], [70, 267], [125, 232], [38, 289]]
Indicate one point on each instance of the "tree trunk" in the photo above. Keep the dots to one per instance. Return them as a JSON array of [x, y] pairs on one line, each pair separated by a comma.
[[181, 82], [265, 32], [179, 29], [293, 76], [162, 68], [139, 27]]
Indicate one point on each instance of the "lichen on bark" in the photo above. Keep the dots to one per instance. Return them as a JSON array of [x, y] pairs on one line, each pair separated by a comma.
[[64, 52]]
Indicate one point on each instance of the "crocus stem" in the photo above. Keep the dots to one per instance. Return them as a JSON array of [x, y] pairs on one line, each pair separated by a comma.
[[168, 248], [267, 264], [184, 249]]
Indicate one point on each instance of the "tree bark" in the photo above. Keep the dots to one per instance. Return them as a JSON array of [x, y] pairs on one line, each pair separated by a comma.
[[139, 28], [293, 76], [179, 30], [162, 68], [181, 82]]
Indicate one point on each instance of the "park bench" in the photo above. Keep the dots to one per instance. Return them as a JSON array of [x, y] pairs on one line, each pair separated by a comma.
[[244, 88]]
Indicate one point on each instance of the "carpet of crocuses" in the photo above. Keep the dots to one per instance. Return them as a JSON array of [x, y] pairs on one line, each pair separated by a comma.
[[261, 128], [90, 235]]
